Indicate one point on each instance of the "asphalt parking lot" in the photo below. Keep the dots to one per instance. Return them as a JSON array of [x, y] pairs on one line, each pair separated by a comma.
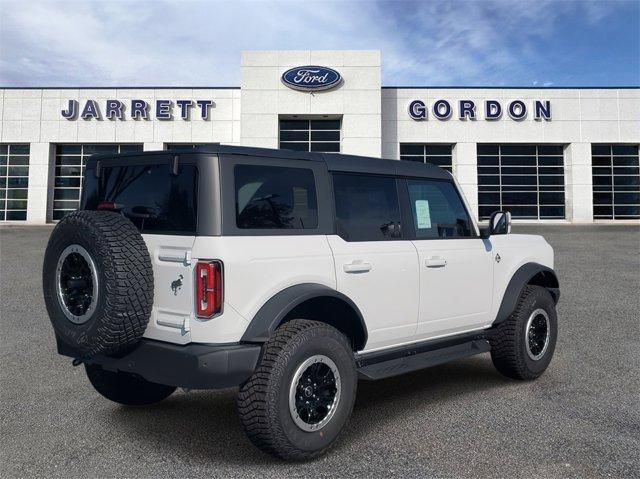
[[580, 419]]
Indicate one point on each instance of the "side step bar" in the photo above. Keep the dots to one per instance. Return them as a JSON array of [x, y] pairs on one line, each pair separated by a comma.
[[416, 356]]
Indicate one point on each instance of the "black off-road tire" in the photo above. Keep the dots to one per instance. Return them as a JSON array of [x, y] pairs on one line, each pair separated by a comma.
[[126, 388], [125, 283], [263, 401], [509, 339]]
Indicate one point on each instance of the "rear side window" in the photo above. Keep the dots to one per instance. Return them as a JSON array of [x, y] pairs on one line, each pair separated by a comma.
[[156, 201], [437, 210], [367, 207], [273, 197]]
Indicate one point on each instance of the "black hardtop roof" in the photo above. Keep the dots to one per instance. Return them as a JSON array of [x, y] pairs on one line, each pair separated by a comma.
[[334, 161]]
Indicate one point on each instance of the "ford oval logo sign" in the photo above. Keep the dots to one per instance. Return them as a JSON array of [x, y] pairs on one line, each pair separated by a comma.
[[311, 78]]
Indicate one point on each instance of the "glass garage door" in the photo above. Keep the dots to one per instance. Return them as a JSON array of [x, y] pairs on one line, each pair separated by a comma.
[[527, 180], [70, 163], [14, 182], [440, 155], [310, 135], [187, 146], [616, 182]]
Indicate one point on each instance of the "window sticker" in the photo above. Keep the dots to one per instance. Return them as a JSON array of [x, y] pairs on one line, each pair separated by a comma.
[[423, 215]]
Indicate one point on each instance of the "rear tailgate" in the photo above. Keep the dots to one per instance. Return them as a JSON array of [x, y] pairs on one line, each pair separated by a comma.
[[173, 274], [159, 195]]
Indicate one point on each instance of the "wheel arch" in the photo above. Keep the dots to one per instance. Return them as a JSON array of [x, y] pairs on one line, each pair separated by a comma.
[[308, 301], [528, 274]]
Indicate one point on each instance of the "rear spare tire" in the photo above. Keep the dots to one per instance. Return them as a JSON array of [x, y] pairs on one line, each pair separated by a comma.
[[98, 283]]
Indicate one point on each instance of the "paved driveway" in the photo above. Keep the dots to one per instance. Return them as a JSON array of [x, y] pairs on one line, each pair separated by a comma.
[[582, 418]]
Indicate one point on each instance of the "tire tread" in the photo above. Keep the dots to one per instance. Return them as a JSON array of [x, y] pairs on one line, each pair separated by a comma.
[[128, 285], [255, 396], [507, 354]]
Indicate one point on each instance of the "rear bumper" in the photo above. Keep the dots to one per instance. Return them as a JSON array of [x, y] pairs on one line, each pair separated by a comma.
[[193, 366]]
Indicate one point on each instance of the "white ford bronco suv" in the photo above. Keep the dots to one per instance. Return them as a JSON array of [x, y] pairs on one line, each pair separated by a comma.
[[290, 275]]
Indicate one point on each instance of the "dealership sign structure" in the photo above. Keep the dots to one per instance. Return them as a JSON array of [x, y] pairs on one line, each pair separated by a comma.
[[139, 109], [545, 154], [517, 110], [311, 78]]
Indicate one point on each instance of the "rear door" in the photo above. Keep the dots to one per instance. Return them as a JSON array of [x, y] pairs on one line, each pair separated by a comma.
[[375, 266], [162, 203], [456, 266]]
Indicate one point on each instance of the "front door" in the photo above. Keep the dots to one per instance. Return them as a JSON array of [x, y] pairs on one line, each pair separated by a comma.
[[456, 266], [374, 265]]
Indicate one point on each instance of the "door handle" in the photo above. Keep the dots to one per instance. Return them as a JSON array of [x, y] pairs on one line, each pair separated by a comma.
[[174, 255], [435, 262], [357, 267]]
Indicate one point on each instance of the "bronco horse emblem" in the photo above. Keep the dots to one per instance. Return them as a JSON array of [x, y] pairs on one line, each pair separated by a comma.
[[176, 285]]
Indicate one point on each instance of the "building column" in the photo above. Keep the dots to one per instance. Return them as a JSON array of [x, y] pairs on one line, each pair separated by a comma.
[[41, 179], [465, 169], [578, 183], [153, 146]]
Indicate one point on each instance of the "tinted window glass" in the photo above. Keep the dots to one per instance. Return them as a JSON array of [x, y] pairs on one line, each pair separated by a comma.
[[366, 207], [272, 197], [187, 146], [439, 155], [310, 135], [520, 173], [70, 162], [14, 181], [437, 210], [616, 182], [149, 195]]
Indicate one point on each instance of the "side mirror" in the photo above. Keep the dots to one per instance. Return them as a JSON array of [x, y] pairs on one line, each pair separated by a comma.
[[499, 224]]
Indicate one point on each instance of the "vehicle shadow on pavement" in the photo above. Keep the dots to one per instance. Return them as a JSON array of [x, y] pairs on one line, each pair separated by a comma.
[[202, 426], [389, 399]]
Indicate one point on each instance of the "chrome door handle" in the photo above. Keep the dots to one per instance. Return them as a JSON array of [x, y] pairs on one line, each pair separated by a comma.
[[357, 267], [435, 262]]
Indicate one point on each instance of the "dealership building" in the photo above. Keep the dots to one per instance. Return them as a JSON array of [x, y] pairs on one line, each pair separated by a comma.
[[553, 155]]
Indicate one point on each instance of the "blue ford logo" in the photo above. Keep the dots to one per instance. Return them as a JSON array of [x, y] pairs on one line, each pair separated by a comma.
[[311, 78]]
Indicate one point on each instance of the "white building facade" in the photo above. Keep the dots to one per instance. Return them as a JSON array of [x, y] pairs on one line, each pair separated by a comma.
[[546, 154]]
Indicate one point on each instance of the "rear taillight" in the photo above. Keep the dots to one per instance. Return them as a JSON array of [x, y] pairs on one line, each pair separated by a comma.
[[208, 288]]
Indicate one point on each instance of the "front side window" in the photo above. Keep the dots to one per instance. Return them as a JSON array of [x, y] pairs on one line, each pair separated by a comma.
[[273, 197], [367, 207], [437, 210]]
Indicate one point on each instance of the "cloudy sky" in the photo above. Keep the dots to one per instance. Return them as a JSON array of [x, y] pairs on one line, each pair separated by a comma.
[[198, 43]]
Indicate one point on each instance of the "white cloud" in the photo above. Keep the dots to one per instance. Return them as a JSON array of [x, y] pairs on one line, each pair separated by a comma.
[[198, 43]]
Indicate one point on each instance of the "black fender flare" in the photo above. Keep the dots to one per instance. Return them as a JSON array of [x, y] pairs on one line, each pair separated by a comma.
[[271, 314], [544, 276]]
